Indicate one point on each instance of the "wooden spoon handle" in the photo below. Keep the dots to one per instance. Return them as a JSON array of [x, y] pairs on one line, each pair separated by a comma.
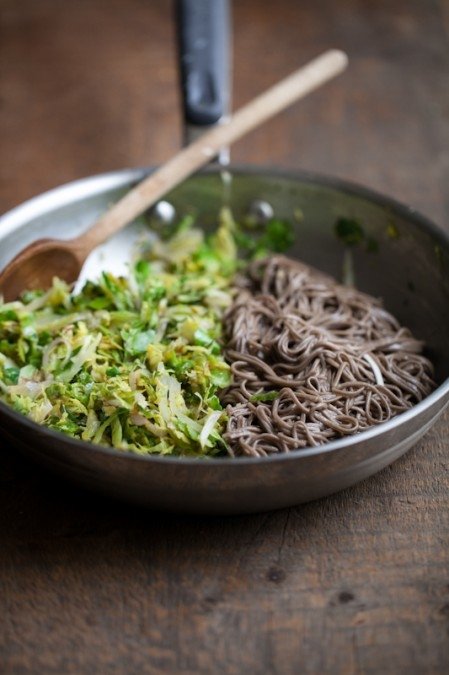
[[199, 153]]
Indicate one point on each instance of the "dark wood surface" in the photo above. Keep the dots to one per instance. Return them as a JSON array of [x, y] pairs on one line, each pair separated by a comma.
[[356, 583]]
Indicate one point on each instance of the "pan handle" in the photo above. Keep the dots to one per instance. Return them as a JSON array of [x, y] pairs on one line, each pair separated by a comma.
[[203, 28]]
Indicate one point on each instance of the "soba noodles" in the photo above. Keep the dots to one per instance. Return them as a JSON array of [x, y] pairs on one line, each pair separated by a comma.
[[313, 361]]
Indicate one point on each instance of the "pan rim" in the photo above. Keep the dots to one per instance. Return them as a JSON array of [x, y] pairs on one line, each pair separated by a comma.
[[90, 185]]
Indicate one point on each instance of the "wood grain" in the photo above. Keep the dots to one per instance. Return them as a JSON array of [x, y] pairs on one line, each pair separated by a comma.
[[356, 583]]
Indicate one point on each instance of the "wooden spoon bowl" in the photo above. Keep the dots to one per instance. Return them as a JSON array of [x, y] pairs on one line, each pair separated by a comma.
[[38, 264]]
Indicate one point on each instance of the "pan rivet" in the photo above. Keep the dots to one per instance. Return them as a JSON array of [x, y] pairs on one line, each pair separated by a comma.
[[260, 211], [163, 212]]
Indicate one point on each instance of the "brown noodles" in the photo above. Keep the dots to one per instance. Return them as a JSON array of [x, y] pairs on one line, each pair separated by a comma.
[[313, 361]]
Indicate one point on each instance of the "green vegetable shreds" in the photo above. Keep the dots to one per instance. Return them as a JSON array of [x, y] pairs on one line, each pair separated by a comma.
[[134, 363]]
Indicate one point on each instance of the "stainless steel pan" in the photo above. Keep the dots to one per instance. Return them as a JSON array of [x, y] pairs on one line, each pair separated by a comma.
[[409, 270]]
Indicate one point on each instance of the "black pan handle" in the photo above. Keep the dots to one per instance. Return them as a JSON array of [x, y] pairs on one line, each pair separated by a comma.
[[204, 50]]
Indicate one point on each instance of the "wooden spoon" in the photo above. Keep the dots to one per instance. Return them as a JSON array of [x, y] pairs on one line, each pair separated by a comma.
[[38, 263]]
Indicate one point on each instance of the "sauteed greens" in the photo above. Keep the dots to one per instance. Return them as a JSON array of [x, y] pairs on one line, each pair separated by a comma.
[[135, 363]]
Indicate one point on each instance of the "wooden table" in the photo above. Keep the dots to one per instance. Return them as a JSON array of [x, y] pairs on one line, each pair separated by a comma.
[[357, 583]]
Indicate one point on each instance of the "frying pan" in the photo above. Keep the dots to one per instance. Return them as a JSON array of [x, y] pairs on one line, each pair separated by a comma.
[[408, 268]]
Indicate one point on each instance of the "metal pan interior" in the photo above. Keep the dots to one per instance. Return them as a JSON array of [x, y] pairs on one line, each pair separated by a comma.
[[407, 265]]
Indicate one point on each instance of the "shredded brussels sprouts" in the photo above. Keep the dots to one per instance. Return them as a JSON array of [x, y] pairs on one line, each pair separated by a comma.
[[134, 363]]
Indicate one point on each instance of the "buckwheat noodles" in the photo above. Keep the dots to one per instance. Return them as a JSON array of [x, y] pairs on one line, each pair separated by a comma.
[[313, 361]]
